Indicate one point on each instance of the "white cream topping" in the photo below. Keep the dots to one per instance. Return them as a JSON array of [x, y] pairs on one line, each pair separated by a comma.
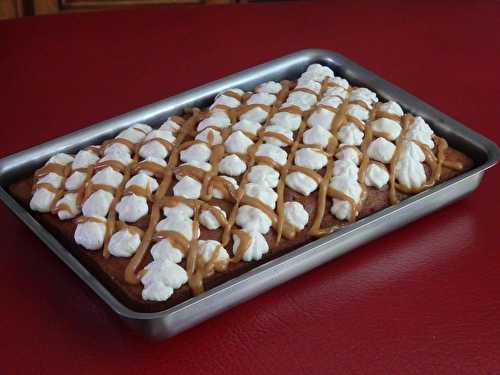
[[187, 187], [317, 72], [75, 180], [358, 112], [256, 114], [171, 126], [131, 208], [317, 135], [107, 176], [349, 153], [132, 134], [90, 234], [237, 142], [52, 179], [265, 175], [60, 158], [121, 157], [321, 117], [83, 159], [197, 164], [217, 194], [225, 100], [349, 134], [232, 165], [391, 128], [341, 209], [339, 92], [180, 210], [331, 101], [286, 120], [162, 163], [214, 134], [124, 243], [421, 132], [263, 193], [116, 148], [270, 87], [301, 99], [208, 219], [381, 150], [258, 246], [308, 84], [363, 94], [339, 82], [345, 167], [253, 219], [69, 199], [409, 168], [207, 248], [274, 152], [198, 152], [247, 126], [348, 185], [143, 181], [216, 119], [161, 278], [392, 108], [181, 225], [301, 183], [280, 130], [153, 149], [97, 204], [165, 250], [310, 158], [296, 215], [261, 98], [412, 150], [376, 176]]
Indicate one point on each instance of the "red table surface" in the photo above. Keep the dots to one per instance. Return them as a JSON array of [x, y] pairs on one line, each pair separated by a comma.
[[424, 299]]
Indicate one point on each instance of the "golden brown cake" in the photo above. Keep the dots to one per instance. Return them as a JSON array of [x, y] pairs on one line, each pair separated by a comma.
[[162, 215]]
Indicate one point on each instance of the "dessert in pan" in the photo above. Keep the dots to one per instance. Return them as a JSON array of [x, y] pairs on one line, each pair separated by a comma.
[[162, 215]]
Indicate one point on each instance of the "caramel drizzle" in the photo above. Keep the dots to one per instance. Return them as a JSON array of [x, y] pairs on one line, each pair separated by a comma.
[[61, 170], [130, 271]]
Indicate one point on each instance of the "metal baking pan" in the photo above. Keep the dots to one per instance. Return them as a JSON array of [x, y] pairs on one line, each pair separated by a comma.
[[187, 314]]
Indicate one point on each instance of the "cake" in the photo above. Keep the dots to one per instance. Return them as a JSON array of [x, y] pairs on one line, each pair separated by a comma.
[[161, 215]]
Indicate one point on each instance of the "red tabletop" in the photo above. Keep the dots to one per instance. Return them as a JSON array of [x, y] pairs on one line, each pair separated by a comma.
[[424, 299]]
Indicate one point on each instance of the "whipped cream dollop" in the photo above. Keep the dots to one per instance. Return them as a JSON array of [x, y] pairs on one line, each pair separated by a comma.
[[263, 193], [364, 95], [296, 215], [270, 87], [143, 181], [210, 136], [208, 219], [238, 143], [52, 179], [90, 234], [331, 101], [358, 112], [75, 180], [165, 250], [225, 100], [180, 209], [84, 159], [187, 187], [392, 108], [350, 134], [116, 155], [161, 278], [60, 158], [272, 151], [301, 183], [321, 117], [97, 204], [132, 207], [349, 153], [376, 175], [135, 133], [196, 152], [309, 85], [124, 243], [107, 176], [317, 72], [286, 120], [345, 167], [232, 165], [253, 219], [261, 98], [216, 119], [247, 126], [287, 133], [69, 200], [42, 200], [409, 168], [421, 132], [171, 126], [265, 175], [338, 92], [217, 194], [207, 249], [256, 114], [181, 225], [257, 248], [345, 183], [154, 148], [390, 128], [310, 158], [339, 82], [316, 135], [301, 99], [381, 150]]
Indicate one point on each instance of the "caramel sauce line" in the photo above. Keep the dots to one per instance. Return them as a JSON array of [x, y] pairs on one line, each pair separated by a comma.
[[405, 122]]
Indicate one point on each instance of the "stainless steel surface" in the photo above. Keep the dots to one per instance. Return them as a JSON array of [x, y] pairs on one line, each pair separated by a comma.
[[178, 318]]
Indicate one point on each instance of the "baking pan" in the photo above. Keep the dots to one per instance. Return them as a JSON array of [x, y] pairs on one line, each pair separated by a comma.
[[169, 322]]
